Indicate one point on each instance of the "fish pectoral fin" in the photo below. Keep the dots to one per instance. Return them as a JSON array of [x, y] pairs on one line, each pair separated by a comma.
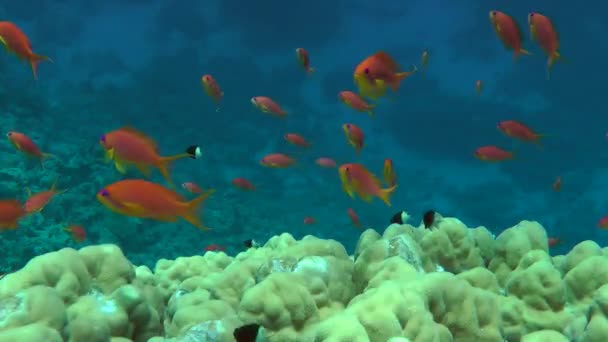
[[145, 169], [379, 83], [109, 155], [120, 166], [133, 208]]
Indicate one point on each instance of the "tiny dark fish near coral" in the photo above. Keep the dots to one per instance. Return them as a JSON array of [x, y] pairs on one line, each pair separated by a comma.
[[397, 218], [428, 219], [246, 333]]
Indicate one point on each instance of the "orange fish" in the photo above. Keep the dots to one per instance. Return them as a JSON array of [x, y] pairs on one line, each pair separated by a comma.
[[543, 31], [11, 211], [267, 105], [127, 146], [309, 220], [36, 202], [424, 60], [277, 160], [296, 139], [356, 179], [355, 102], [557, 185], [354, 136], [304, 60], [17, 42], [144, 199], [243, 184], [212, 89], [492, 154], [554, 241], [377, 73], [603, 222], [519, 131], [24, 144], [78, 233], [388, 173], [326, 162], [478, 87], [508, 31], [354, 218], [215, 248], [192, 188]]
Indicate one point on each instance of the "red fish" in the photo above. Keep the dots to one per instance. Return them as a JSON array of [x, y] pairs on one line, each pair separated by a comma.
[[144, 199], [377, 73], [492, 154], [603, 222], [127, 146], [212, 89], [18, 43], [243, 184], [354, 218], [326, 162], [192, 188], [24, 144], [428, 219], [277, 160], [11, 211], [519, 131], [36, 202], [508, 31], [309, 220], [543, 31], [355, 102], [554, 241], [356, 179], [296, 139], [478, 87], [267, 105], [557, 185], [215, 248], [354, 136], [78, 233], [304, 60], [388, 173]]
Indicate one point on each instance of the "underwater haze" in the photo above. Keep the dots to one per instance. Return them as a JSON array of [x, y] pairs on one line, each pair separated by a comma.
[[120, 63]]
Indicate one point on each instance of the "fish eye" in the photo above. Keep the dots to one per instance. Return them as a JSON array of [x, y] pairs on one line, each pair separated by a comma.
[[493, 13], [104, 193], [366, 70], [9, 134], [103, 138]]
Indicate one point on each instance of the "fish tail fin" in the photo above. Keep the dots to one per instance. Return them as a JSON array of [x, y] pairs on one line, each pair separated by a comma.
[[192, 208], [34, 60], [385, 194]]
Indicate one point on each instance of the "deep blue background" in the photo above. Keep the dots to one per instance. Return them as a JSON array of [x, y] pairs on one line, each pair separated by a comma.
[[133, 63]]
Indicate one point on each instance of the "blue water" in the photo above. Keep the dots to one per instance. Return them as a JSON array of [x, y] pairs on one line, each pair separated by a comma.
[[139, 63]]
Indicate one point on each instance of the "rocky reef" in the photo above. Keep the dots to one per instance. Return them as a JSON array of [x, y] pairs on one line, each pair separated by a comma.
[[446, 283]]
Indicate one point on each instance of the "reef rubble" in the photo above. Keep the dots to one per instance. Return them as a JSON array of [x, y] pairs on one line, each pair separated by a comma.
[[447, 283]]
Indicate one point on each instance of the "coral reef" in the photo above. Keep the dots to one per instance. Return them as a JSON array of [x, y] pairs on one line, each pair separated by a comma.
[[446, 283]]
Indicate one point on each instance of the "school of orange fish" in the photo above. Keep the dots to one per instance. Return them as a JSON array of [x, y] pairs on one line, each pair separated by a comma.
[[128, 148]]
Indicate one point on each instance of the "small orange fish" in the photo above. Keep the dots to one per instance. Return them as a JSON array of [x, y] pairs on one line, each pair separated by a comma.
[[78, 233], [309, 220], [478, 87], [192, 188], [144, 199], [243, 184], [296, 139], [212, 89], [603, 222], [554, 241], [377, 73], [543, 31], [36, 202], [519, 131], [127, 146], [354, 136], [304, 60], [388, 173], [492, 154], [508, 31], [24, 144], [354, 218], [11, 211], [215, 248], [355, 102], [267, 105], [557, 185], [18, 43], [356, 179], [326, 162], [424, 60], [277, 160]]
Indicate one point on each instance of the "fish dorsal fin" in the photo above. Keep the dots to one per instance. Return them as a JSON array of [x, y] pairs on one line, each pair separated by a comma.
[[141, 135], [387, 60]]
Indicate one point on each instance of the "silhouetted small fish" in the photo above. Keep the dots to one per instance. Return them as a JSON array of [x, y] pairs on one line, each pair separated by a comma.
[[194, 151], [250, 243], [428, 219], [397, 218], [246, 333]]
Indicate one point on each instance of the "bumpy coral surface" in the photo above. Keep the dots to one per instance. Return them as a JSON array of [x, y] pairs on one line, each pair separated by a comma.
[[448, 283]]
